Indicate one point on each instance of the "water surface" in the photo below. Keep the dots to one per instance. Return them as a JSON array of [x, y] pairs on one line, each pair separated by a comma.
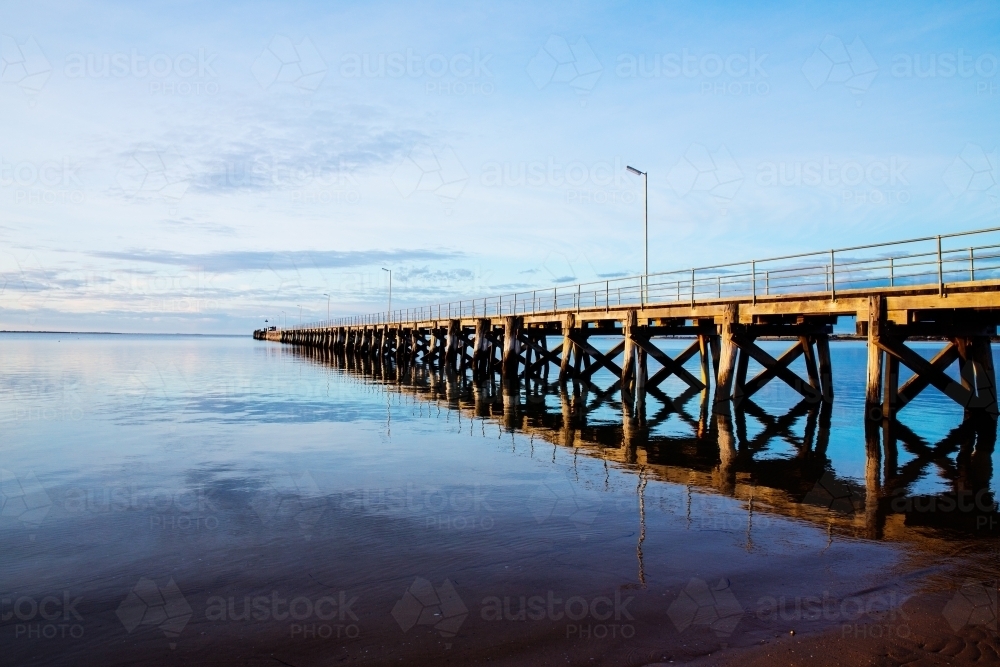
[[219, 500]]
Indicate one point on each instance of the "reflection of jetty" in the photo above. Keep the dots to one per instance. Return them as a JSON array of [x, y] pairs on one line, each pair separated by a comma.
[[719, 456], [944, 286]]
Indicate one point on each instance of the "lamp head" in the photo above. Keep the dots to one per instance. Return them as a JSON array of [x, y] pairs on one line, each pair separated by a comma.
[[635, 171]]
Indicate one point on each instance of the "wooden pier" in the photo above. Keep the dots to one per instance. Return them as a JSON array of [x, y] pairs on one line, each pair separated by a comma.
[[944, 287]]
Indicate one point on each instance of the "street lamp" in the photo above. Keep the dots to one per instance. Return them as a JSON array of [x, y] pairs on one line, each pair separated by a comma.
[[327, 306], [390, 293], [645, 217]]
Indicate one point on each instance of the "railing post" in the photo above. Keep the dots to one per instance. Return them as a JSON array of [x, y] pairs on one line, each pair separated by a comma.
[[972, 265], [892, 273], [692, 287], [534, 295], [720, 287], [940, 268], [767, 283], [555, 299], [833, 277], [607, 296], [578, 298], [753, 280]]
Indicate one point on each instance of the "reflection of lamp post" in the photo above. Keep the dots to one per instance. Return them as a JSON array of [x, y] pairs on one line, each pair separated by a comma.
[[645, 217], [390, 293], [327, 306]]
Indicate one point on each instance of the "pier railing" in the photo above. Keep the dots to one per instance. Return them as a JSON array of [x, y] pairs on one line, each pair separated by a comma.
[[927, 261]]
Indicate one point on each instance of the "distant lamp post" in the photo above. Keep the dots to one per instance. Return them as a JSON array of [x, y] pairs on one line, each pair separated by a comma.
[[300, 315], [327, 306], [390, 293], [645, 217], [284, 320]]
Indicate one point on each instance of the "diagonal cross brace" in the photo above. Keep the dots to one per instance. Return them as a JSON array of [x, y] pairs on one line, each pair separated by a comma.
[[671, 366], [747, 346], [932, 373], [601, 359]]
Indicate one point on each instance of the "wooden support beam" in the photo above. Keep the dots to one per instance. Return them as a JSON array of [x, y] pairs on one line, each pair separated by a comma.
[[452, 343], [567, 346], [921, 366], [825, 366], [966, 368], [749, 347], [543, 355], [873, 384], [758, 381], [703, 356], [986, 380], [481, 348], [511, 348], [727, 357], [916, 384], [891, 391], [742, 366], [671, 366], [810, 358], [627, 372], [594, 360]]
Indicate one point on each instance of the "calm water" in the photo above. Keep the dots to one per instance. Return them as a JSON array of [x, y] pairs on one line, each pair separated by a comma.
[[199, 500]]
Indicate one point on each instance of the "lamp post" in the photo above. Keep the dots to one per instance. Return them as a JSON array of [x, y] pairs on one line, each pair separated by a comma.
[[390, 293], [300, 315], [327, 306], [645, 218]]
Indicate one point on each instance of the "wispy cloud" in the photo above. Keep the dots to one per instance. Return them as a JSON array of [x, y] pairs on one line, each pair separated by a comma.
[[253, 260]]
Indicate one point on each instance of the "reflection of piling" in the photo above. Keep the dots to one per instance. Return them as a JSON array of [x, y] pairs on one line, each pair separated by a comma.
[[727, 450], [511, 407], [873, 489]]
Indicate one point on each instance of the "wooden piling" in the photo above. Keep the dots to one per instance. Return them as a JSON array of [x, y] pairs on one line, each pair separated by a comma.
[[873, 385], [727, 356], [511, 348], [567, 346]]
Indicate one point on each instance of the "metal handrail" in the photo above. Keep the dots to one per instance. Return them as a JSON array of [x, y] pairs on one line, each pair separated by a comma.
[[720, 281]]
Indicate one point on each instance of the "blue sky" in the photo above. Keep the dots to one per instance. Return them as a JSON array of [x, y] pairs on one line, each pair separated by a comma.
[[185, 168]]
